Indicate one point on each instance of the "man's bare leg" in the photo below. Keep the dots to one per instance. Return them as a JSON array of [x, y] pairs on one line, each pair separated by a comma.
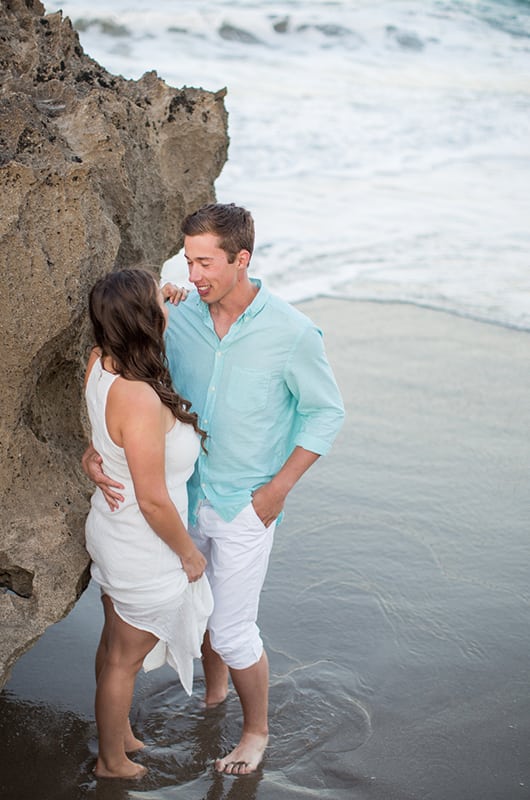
[[252, 686], [215, 674]]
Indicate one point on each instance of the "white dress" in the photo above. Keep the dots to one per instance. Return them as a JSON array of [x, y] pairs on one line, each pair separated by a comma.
[[134, 567]]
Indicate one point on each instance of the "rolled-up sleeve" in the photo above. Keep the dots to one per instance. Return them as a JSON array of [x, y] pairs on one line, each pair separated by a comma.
[[319, 406]]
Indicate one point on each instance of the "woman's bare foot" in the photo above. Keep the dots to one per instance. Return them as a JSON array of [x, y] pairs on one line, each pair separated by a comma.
[[132, 744], [125, 769], [246, 757]]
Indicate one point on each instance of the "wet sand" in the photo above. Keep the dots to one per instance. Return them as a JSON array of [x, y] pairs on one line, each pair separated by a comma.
[[396, 610]]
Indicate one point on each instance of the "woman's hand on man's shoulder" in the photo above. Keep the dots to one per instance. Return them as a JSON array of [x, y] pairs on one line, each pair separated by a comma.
[[175, 294]]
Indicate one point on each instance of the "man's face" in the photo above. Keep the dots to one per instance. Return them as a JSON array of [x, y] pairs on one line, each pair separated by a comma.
[[209, 270]]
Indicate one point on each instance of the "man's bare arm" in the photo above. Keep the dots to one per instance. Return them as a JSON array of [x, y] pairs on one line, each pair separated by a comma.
[[269, 499]]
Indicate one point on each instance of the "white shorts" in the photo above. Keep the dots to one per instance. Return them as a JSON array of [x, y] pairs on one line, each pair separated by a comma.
[[237, 553]]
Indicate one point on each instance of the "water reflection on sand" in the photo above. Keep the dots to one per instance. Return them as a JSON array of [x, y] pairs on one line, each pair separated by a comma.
[[395, 612]]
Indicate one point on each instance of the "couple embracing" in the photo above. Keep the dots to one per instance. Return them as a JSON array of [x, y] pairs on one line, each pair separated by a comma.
[[205, 411]]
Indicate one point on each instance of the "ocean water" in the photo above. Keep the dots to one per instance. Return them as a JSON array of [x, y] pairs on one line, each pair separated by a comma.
[[383, 146]]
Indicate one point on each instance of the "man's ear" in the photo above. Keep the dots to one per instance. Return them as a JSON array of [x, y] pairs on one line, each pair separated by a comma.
[[243, 259]]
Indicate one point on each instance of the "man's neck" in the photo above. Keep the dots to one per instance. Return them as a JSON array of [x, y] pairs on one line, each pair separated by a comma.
[[229, 309]]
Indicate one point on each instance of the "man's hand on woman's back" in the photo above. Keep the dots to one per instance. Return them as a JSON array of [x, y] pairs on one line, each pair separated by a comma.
[[93, 466]]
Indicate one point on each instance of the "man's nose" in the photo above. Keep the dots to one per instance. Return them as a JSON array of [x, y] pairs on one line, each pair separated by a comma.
[[194, 271]]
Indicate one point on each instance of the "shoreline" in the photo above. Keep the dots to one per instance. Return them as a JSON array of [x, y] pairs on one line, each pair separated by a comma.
[[416, 304]]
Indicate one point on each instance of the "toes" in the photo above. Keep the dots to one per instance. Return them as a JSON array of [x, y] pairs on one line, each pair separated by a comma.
[[140, 774], [239, 767], [233, 767]]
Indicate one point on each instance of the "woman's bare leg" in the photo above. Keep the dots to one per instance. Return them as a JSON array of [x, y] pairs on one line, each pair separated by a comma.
[[126, 648], [131, 743]]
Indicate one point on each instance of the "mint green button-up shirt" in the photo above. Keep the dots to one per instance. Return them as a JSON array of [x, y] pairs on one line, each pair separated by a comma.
[[260, 391]]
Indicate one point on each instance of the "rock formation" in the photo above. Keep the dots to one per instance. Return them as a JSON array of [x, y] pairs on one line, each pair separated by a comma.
[[96, 172]]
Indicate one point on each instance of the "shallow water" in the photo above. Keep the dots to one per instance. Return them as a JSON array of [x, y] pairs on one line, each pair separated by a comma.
[[395, 613]]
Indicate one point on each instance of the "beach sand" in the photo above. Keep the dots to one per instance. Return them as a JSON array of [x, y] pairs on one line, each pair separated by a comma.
[[395, 612]]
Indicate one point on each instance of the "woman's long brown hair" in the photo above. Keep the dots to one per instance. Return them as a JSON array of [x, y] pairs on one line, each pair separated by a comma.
[[128, 327]]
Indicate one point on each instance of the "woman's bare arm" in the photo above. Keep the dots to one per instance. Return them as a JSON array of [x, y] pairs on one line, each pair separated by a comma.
[[137, 421]]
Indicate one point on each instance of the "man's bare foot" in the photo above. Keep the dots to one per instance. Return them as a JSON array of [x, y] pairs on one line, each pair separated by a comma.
[[246, 757], [126, 769], [213, 699], [215, 674]]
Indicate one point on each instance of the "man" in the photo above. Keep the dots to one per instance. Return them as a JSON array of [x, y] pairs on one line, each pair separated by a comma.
[[256, 372]]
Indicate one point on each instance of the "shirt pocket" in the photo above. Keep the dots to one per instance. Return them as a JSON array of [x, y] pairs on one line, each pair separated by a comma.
[[248, 389]]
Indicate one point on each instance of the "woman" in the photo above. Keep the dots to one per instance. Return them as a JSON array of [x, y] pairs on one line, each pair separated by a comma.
[[150, 572]]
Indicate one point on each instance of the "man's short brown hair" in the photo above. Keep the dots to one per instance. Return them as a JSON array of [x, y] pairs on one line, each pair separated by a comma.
[[232, 224]]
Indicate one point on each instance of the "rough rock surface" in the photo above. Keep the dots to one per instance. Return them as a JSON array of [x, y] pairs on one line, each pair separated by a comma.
[[96, 172]]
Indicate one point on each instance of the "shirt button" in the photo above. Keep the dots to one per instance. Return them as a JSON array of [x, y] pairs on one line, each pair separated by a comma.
[[205, 421], [218, 353], [212, 388]]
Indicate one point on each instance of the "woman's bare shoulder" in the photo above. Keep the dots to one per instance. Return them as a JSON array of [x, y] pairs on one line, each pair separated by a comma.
[[134, 396], [134, 414], [95, 354]]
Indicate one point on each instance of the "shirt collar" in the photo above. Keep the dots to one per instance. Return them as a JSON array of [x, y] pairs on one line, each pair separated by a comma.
[[250, 311], [259, 301]]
